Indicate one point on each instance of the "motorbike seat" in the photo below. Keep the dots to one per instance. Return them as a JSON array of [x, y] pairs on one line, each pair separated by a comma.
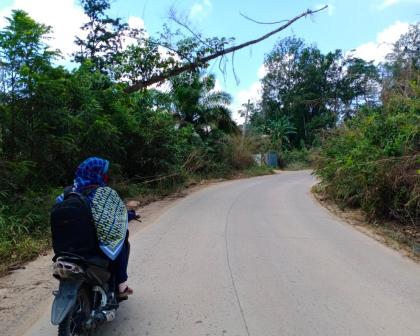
[[98, 261]]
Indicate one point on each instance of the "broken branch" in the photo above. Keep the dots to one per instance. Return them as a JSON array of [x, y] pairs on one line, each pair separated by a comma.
[[203, 60]]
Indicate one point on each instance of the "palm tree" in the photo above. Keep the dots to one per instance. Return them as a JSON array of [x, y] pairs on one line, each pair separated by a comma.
[[196, 103], [279, 130]]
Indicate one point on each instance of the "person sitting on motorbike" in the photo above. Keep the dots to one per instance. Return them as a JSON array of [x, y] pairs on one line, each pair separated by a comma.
[[109, 214]]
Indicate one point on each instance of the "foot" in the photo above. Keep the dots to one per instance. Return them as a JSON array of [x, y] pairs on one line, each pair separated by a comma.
[[123, 294]]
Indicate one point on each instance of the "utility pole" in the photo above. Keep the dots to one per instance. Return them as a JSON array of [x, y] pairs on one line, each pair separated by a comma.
[[245, 123]]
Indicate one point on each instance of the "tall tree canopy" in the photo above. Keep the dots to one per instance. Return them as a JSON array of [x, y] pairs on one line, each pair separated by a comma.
[[24, 60], [104, 35], [311, 89]]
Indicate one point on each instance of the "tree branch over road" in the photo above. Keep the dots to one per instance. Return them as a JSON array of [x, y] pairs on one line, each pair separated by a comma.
[[202, 61]]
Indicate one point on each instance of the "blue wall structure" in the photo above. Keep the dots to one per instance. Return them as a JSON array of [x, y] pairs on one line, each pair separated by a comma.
[[272, 159]]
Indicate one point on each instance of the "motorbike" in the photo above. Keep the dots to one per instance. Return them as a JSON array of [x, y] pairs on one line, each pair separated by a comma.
[[87, 295]]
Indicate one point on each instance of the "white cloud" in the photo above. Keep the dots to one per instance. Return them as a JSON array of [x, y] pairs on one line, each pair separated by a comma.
[[65, 16], [387, 3], [252, 93], [378, 49], [383, 4], [164, 87], [135, 22], [218, 86], [200, 10], [262, 71]]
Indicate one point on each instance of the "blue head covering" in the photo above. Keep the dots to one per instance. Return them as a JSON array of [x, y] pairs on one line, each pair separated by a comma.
[[90, 172]]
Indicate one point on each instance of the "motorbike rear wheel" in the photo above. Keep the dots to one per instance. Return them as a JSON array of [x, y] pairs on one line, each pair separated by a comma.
[[73, 324]]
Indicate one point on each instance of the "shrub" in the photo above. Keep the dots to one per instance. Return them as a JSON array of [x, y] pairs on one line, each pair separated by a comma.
[[295, 159], [373, 161], [24, 226]]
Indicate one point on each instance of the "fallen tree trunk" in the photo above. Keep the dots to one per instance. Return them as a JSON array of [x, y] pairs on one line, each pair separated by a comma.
[[158, 78]]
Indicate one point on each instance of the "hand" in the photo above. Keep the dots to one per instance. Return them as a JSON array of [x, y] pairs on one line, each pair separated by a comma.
[[132, 215]]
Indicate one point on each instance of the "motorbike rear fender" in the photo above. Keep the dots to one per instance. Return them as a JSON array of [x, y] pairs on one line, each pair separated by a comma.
[[64, 300]]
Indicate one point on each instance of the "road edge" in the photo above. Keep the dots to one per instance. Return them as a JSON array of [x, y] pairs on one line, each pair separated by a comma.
[[357, 220]]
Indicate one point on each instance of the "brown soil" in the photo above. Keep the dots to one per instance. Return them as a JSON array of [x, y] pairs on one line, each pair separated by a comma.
[[403, 238]]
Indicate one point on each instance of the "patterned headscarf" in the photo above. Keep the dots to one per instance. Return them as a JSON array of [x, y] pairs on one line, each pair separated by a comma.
[[90, 172]]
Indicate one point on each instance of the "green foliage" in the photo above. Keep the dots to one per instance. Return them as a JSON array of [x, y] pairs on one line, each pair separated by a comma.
[[148, 57], [255, 170], [371, 161], [295, 159], [23, 225], [105, 36], [199, 105], [279, 130], [24, 57], [51, 119], [311, 90]]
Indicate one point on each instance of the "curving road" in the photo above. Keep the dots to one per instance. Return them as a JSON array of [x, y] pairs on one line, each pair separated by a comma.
[[260, 257]]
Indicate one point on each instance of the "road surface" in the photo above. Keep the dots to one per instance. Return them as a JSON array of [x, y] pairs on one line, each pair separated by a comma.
[[260, 257]]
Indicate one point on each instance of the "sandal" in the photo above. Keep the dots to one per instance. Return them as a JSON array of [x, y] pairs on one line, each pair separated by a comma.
[[125, 293]]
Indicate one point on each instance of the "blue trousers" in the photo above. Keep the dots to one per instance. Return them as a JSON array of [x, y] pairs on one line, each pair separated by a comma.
[[120, 264]]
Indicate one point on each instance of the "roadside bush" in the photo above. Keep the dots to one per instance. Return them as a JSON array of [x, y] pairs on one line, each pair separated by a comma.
[[23, 226], [241, 152], [221, 155], [295, 159], [373, 161]]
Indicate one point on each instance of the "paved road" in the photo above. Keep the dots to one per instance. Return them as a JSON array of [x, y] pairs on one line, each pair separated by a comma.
[[260, 257]]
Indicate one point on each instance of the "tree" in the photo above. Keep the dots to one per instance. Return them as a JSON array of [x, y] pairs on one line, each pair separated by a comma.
[[24, 56], [403, 65], [279, 131], [196, 103], [314, 90], [164, 57], [359, 86], [299, 84], [105, 35]]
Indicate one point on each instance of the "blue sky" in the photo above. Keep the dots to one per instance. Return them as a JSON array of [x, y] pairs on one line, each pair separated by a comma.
[[367, 26]]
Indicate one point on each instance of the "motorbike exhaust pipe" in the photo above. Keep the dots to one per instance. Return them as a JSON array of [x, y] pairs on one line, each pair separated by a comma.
[[104, 316], [109, 314]]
